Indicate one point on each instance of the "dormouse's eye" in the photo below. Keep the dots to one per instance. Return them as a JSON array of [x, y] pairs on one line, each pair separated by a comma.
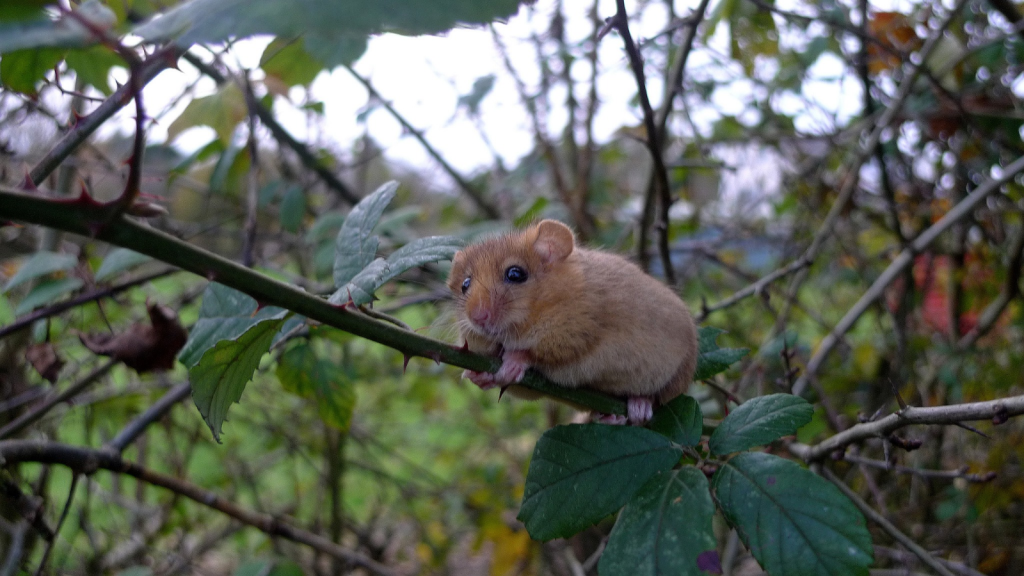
[[516, 275], [465, 285]]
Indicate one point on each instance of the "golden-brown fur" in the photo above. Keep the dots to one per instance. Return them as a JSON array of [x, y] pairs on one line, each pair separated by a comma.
[[583, 318]]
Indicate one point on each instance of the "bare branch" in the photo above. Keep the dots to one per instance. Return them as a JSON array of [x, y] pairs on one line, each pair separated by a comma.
[[137, 426], [995, 410], [23, 421]]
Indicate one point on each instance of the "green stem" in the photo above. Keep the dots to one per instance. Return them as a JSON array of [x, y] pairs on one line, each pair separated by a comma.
[[87, 218]]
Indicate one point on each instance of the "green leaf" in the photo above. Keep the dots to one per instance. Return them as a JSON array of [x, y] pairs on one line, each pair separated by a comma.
[[792, 521], [680, 420], [18, 11], [215, 21], [759, 421], [305, 375], [665, 529], [47, 292], [223, 371], [582, 473], [222, 111], [293, 209], [118, 260], [355, 246], [226, 314], [379, 272], [360, 290], [336, 49], [713, 359], [231, 166], [40, 264], [21, 70], [93, 65], [289, 62]]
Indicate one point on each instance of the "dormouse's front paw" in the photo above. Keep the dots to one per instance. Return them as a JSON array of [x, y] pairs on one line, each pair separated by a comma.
[[514, 364], [640, 410], [485, 380]]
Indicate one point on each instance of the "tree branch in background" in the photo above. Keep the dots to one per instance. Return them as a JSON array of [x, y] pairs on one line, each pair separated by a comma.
[[620, 22], [996, 410], [21, 422], [282, 136], [137, 426], [87, 461], [673, 87], [475, 195], [887, 526], [905, 259], [97, 294]]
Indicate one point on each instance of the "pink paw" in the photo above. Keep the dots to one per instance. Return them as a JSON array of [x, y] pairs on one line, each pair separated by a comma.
[[640, 410], [485, 380], [514, 364], [614, 419]]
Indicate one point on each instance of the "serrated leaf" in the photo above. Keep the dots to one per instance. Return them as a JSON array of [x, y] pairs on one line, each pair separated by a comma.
[[118, 260], [356, 246], [305, 375], [582, 473], [47, 292], [680, 420], [759, 421], [792, 521], [360, 290], [226, 314], [665, 529], [293, 209], [712, 360], [40, 264], [222, 111], [223, 371]]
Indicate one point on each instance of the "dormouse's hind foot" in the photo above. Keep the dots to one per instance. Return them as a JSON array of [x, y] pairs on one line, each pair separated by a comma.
[[640, 410], [613, 419]]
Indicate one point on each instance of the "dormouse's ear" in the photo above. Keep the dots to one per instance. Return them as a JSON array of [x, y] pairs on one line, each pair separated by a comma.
[[455, 273], [554, 242]]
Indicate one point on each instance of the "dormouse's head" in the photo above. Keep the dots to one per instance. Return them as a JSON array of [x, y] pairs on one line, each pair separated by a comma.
[[500, 285]]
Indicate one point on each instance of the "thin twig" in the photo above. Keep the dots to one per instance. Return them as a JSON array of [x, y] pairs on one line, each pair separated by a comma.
[[26, 419], [63, 516], [885, 525], [28, 319], [129, 433], [755, 288], [940, 474], [474, 194], [308, 159]]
